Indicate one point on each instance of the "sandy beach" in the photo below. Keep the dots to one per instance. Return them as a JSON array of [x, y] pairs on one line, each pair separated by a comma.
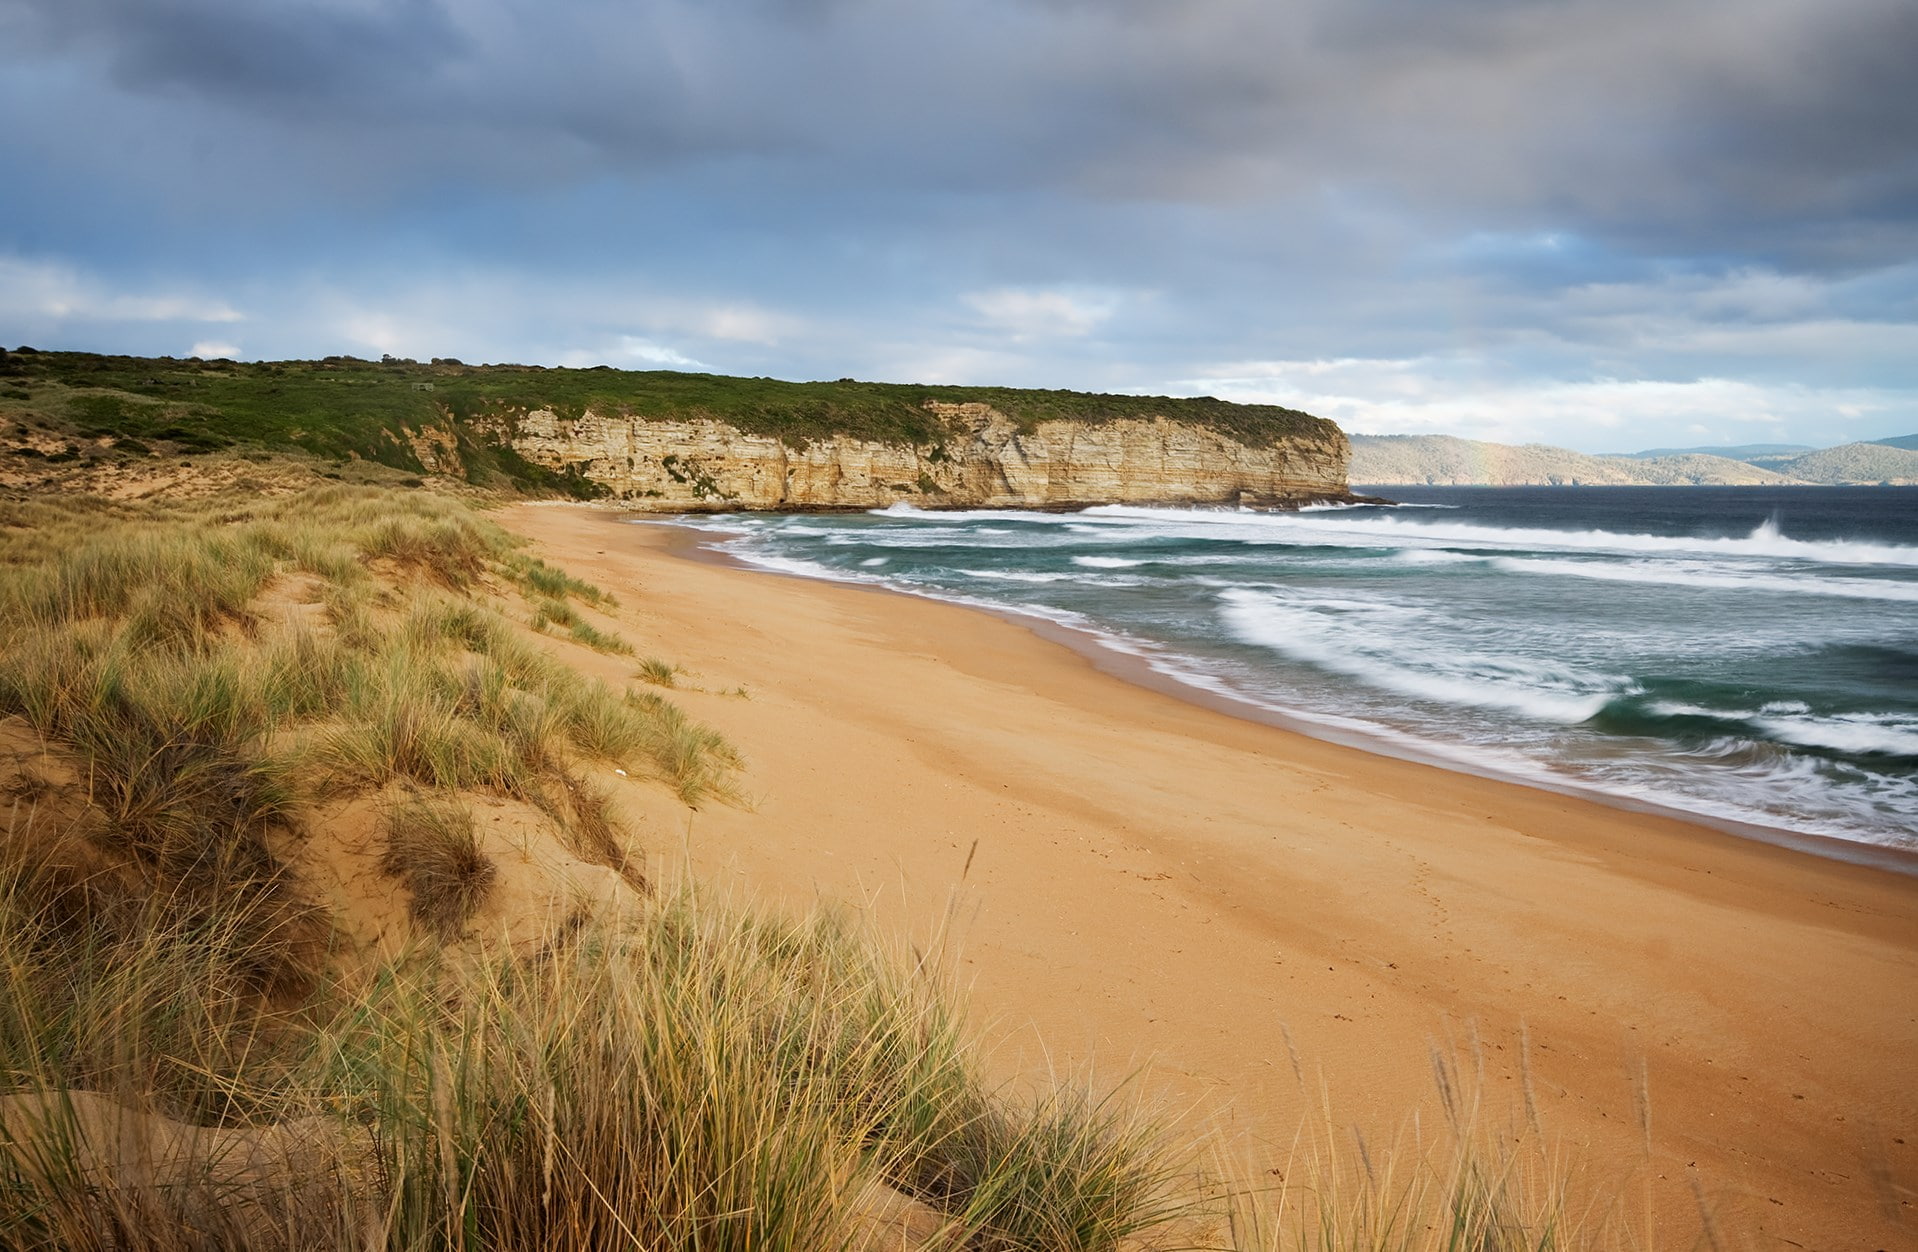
[[1280, 931]]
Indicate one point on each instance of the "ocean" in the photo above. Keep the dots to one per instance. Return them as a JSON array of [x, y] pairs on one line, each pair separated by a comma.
[[1745, 655]]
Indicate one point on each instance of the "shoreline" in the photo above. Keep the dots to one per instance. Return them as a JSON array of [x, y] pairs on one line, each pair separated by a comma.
[[691, 543], [1282, 932]]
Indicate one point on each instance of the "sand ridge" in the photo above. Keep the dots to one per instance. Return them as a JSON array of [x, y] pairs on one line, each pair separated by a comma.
[[1147, 881]]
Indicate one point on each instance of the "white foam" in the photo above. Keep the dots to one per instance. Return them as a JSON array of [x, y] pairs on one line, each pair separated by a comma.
[[1534, 689], [1018, 576], [1765, 540], [1865, 734], [1792, 721], [1363, 642], [1434, 556], [1698, 574], [1731, 779], [1672, 708]]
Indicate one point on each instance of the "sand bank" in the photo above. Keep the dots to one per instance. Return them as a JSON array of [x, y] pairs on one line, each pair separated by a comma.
[[1155, 882]]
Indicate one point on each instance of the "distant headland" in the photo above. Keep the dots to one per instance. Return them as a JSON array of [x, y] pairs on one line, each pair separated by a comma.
[[1446, 461]]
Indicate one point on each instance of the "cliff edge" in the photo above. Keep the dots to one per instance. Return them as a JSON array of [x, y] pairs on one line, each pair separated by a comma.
[[982, 459]]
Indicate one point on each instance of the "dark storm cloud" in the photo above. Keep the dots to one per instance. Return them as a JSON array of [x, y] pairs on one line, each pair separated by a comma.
[[251, 53]]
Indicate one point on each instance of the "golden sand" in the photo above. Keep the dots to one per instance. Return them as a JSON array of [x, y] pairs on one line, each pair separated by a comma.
[[1155, 883]]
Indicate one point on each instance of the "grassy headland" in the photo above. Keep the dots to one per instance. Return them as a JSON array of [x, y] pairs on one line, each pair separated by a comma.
[[84, 406]]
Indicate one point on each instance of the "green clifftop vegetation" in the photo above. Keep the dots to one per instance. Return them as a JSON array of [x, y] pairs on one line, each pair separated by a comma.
[[344, 407]]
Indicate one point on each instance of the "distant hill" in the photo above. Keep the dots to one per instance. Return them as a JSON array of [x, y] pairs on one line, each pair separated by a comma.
[[1856, 464], [1446, 461], [1899, 441], [1443, 460], [1737, 452]]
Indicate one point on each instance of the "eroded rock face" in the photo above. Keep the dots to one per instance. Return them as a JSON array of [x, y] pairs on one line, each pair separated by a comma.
[[677, 465]]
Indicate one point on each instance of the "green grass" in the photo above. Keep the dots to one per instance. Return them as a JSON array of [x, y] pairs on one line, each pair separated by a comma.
[[702, 1078], [537, 578]]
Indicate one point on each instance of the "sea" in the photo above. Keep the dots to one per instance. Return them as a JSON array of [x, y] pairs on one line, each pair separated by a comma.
[[1744, 655]]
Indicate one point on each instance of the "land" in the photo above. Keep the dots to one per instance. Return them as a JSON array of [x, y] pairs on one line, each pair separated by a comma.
[[1285, 933], [388, 863], [1444, 460], [127, 416], [326, 921]]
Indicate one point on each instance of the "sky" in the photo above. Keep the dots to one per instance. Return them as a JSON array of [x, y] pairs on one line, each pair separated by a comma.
[[1604, 224]]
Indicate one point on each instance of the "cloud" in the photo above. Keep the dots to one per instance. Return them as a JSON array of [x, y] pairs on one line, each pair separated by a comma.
[[629, 351], [214, 350], [1468, 397], [1654, 120], [1040, 314], [743, 323], [292, 49], [35, 291], [1620, 195]]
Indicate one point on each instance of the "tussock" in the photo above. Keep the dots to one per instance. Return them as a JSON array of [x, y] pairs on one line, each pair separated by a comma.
[[431, 847], [658, 672]]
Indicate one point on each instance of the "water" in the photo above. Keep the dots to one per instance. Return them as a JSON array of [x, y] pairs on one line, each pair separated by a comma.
[[1743, 654]]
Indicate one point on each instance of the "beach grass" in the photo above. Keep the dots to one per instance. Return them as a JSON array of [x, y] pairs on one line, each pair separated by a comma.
[[659, 672], [432, 849], [186, 1067]]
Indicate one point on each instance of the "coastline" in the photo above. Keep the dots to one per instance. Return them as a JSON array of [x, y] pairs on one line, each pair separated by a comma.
[[692, 544], [1152, 877]]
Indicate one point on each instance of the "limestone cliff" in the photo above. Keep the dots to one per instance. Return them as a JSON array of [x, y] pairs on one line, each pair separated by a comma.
[[985, 460]]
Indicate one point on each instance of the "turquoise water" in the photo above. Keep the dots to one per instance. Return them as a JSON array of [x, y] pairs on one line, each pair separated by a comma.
[[1745, 654]]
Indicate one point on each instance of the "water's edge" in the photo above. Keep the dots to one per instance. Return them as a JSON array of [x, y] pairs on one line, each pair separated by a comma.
[[702, 546]]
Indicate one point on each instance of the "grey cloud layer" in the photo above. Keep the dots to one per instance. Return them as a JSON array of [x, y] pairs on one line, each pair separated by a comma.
[[1117, 193], [1768, 119]]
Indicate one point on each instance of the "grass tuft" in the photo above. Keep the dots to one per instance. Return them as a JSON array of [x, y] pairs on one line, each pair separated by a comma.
[[538, 578], [658, 672], [549, 612], [596, 834], [696, 759], [432, 848]]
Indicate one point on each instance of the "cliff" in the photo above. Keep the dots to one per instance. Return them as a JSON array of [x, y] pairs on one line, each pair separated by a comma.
[[668, 440], [981, 459]]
